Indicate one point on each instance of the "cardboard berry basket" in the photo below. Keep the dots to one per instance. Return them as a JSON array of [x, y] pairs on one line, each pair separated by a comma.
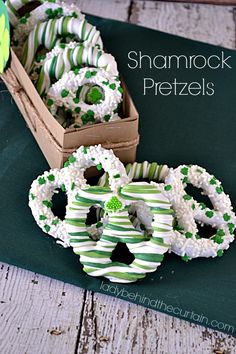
[[58, 143]]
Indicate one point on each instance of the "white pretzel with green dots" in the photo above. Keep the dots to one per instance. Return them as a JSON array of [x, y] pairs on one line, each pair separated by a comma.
[[69, 179]]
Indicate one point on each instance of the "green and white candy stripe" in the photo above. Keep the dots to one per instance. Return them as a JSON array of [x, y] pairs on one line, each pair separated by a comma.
[[47, 34], [66, 57], [186, 242], [141, 170], [91, 95], [96, 256], [44, 12]]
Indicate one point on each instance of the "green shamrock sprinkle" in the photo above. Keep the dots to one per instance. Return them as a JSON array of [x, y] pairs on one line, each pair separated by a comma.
[[77, 110], [220, 253], [185, 258], [62, 45], [55, 221], [42, 217], [76, 70], [168, 187], [74, 14], [226, 217], [94, 95], [47, 228], [112, 86], [212, 180], [231, 227], [184, 170], [188, 234], [107, 117], [113, 204], [76, 100], [187, 197], [63, 188], [193, 206], [50, 102], [51, 178], [99, 167], [219, 190], [66, 164], [185, 180], [88, 117], [88, 74], [85, 150], [41, 180], [72, 159], [220, 232], [217, 239], [47, 203], [202, 206], [32, 196], [197, 237], [209, 213], [64, 93], [105, 83], [120, 89]]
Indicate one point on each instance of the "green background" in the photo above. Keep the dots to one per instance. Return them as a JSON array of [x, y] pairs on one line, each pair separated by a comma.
[[174, 130]]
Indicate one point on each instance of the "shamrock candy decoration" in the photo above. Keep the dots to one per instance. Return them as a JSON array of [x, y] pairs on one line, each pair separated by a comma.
[[4, 37]]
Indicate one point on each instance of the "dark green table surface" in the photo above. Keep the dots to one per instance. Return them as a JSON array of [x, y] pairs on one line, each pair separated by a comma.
[[174, 130]]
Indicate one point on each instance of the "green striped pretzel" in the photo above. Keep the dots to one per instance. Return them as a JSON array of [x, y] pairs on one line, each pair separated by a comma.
[[44, 12], [66, 57], [96, 256], [47, 34]]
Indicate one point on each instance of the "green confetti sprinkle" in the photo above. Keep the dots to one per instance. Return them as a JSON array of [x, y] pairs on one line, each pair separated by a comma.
[[217, 239], [117, 175], [85, 150], [188, 234], [120, 89], [193, 206], [76, 70], [88, 74], [55, 221], [66, 164], [220, 232], [72, 186]]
